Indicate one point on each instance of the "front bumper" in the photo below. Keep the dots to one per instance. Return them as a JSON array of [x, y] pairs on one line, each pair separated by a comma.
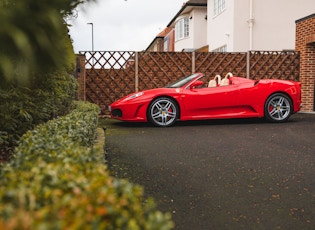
[[128, 112]]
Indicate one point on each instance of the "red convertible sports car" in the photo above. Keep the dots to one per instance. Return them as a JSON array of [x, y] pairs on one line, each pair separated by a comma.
[[193, 98]]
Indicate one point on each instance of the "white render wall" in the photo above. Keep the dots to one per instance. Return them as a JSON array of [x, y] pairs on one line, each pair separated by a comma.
[[273, 27], [197, 30], [199, 27], [185, 43], [241, 41], [220, 27]]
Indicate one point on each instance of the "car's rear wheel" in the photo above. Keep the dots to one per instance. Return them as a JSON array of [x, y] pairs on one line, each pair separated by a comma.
[[163, 112], [278, 108]]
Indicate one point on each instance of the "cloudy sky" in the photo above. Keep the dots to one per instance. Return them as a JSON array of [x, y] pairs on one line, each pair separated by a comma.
[[121, 25]]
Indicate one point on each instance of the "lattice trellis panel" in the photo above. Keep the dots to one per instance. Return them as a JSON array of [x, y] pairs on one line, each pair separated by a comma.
[[108, 59], [212, 64], [274, 65], [158, 69], [109, 76], [104, 86]]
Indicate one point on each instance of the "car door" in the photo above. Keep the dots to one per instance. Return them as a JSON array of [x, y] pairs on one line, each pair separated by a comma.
[[210, 102]]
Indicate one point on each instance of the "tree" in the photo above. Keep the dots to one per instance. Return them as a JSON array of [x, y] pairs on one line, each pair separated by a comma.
[[36, 57], [34, 38]]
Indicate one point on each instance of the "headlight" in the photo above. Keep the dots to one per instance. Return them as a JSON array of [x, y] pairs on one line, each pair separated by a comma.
[[133, 96]]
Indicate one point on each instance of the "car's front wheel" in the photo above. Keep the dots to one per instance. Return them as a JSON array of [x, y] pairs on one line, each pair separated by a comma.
[[163, 112], [278, 108]]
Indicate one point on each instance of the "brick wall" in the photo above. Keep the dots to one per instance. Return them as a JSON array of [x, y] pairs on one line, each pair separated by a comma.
[[305, 44]]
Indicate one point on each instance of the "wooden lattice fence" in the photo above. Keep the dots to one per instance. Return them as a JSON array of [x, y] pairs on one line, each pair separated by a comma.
[[275, 65], [108, 76]]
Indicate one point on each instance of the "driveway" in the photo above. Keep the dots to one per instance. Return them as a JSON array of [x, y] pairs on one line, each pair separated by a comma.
[[222, 174]]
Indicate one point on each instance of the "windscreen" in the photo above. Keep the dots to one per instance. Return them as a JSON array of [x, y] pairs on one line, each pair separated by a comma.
[[183, 81]]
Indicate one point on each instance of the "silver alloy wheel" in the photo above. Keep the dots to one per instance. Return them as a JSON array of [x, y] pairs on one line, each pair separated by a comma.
[[163, 112], [278, 107]]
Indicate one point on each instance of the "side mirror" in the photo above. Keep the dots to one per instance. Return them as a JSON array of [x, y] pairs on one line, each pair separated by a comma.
[[196, 84]]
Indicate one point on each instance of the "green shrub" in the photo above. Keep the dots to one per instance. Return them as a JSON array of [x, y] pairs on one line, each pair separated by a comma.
[[21, 109], [48, 140], [58, 180]]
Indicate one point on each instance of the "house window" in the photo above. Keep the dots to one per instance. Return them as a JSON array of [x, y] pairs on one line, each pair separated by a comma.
[[182, 28], [220, 49], [166, 44], [219, 6]]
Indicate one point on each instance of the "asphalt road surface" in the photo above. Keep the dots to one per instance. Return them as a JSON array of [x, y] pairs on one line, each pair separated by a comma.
[[222, 174]]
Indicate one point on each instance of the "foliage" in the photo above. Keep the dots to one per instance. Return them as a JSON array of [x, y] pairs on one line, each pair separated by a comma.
[[58, 181], [76, 127], [22, 108], [36, 38]]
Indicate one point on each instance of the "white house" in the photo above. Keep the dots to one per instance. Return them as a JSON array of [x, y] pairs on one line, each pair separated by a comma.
[[190, 25], [238, 25], [242, 25]]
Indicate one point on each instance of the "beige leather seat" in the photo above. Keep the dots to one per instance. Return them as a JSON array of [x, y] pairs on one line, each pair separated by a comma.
[[225, 81], [216, 81]]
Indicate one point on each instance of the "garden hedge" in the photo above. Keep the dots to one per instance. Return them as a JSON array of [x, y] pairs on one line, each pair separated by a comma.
[[58, 180], [22, 108]]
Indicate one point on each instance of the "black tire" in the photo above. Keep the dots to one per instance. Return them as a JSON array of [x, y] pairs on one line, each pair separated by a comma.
[[278, 108], [163, 112]]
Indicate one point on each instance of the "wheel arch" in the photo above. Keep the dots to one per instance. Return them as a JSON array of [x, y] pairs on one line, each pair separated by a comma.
[[167, 96], [281, 92], [278, 93]]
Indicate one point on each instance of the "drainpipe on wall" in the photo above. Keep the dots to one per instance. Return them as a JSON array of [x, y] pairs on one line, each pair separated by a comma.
[[251, 23]]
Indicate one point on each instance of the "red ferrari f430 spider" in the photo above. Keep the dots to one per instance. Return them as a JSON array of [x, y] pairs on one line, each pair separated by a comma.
[[193, 98]]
